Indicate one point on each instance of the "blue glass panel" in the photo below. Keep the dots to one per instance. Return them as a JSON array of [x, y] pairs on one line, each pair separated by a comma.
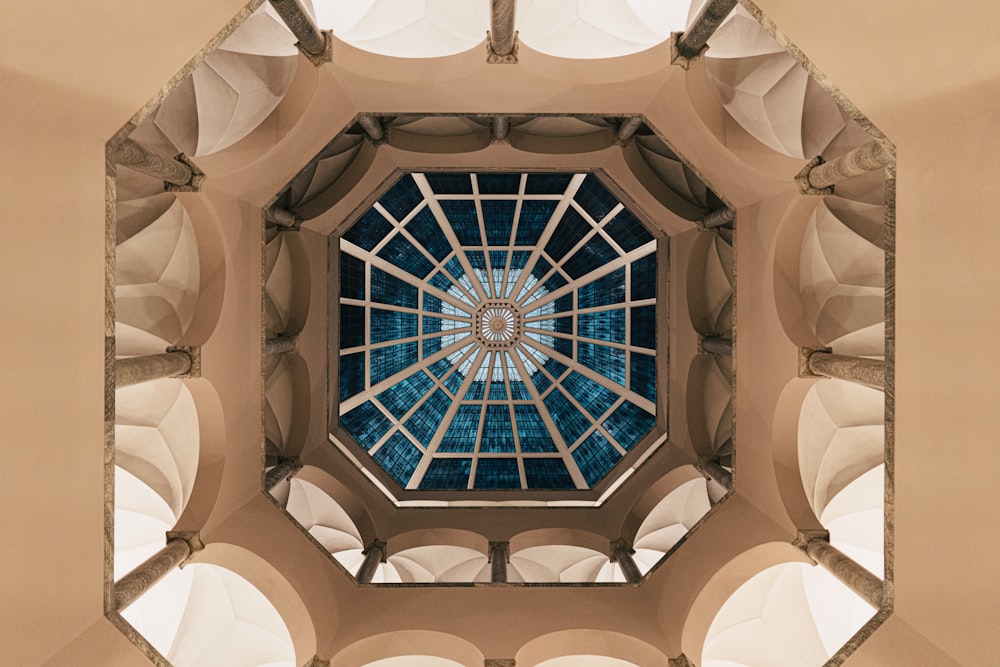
[[403, 395], [594, 254], [454, 382], [432, 304], [440, 281], [570, 231], [498, 434], [642, 379], [547, 474], [402, 253], [540, 268], [534, 435], [463, 430], [555, 282], [554, 367], [644, 327], [431, 346], [450, 184], [498, 184], [352, 326], [352, 277], [519, 392], [498, 217], [603, 291], [564, 304], [431, 324], [608, 361], [606, 325], [387, 361], [595, 457], [391, 325], [352, 375], [399, 457], [425, 229], [564, 346], [461, 214], [535, 216], [594, 198], [402, 198], [519, 259], [477, 259], [476, 391], [629, 424], [439, 368], [366, 424], [571, 422], [389, 289], [627, 231], [454, 267], [593, 397], [447, 474], [497, 474], [541, 381], [644, 278], [547, 184], [498, 391], [498, 259], [428, 417], [369, 230]]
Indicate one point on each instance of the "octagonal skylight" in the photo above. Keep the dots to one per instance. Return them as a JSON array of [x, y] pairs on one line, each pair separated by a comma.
[[497, 331]]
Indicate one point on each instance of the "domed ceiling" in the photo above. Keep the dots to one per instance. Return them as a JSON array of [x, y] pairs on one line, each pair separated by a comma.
[[498, 331]]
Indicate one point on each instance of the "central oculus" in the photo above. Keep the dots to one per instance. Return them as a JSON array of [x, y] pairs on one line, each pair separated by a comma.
[[499, 324]]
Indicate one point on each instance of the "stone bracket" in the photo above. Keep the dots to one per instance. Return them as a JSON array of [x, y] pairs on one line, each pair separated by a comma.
[[804, 537], [194, 352], [197, 177], [678, 58], [494, 58], [802, 178], [193, 540], [324, 56], [804, 354]]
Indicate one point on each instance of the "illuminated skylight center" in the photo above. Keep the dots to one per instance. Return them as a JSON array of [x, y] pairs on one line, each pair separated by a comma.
[[497, 331]]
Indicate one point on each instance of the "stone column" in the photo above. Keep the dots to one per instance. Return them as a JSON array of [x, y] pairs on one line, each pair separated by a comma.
[[500, 128], [690, 44], [282, 218], [716, 345], [499, 555], [502, 38], [823, 363], [816, 545], [372, 127], [499, 662], [285, 469], [374, 554], [711, 468], [818, 177], [170, 170], [281, 344], [314, 43], [627, 129], [680, 661], [133, 370], [719, 217], [621, 553], [316, 661], [180, 546]]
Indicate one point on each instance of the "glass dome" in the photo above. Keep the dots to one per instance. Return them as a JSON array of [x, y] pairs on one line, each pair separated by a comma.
[[497, 331]]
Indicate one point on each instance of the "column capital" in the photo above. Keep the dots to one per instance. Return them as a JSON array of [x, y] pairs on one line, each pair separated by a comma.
[[804, 354], [498, 547], [194, 353], [191, 537], [324, 56], [715, 345], [677, 57], [804, 537], [494, 58], [680, 661], [376, 545], [499, 662], [618, 546], [316, 661], [802, 178], [197, 177]]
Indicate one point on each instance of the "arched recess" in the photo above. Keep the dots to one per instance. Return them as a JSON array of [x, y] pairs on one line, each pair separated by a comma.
[[711, 284], [710, 406], [561, 563], [439, 134], [571, 536], [326, 522], [589, 642], [652, 496], [440, 563], [785, 428], [667, 178], [408, 643], [787, 261], [724, 583], [343, 496], [286, 283], [286, 403], [670, 521]]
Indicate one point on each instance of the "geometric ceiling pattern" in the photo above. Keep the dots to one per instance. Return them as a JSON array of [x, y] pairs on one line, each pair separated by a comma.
[[497, 331]]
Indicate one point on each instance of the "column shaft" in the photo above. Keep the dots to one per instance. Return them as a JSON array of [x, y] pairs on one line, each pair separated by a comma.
[[501, 127], [628, 128], [717, 345], [281, 217], [621, 553], [712, 468], [374, 554], [298, 20], [131, 154], [719, 217], [857, 578], [134, 370], [499, 555], [502, 34], [372, 127], [870, 372], [283, 470], [131, 587], [280, 344], [701, 29], [861, 160]]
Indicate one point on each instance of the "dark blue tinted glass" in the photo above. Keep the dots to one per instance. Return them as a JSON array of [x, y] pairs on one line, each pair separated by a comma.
[[430, 346], [391, 325], [570, 231], [399, 457], [498, 435], [547, 474], [518, 391], [498, 184], [497, 474], [366, 424], [627, 231], [352, 375], [606, 325], [593, 397], [628, 424], [519, 259], [402, 198], [534, 435], [477, 259], [595, 457], [554, 283], [594, 198], [454, 267], [425, 229], [405, 255], [369, 230], [432, 304], [603, 291], [571, 422], [428, 417], [352, 277], [431, 324], [389, 289], [498, 259], [547, 184], [463, 430], [441, 281], [477, 389], [608, 361], [450, 184], [594, 254], [554, 367], [534, 216], [352, 326], [403, 395], [498, 391], [387, 361], [439, 368], [447, 474], [643, 376], [453, 382], [644, 278], [564, 346], [462, 216], [644, 327], [541, 381], [498, 217]]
